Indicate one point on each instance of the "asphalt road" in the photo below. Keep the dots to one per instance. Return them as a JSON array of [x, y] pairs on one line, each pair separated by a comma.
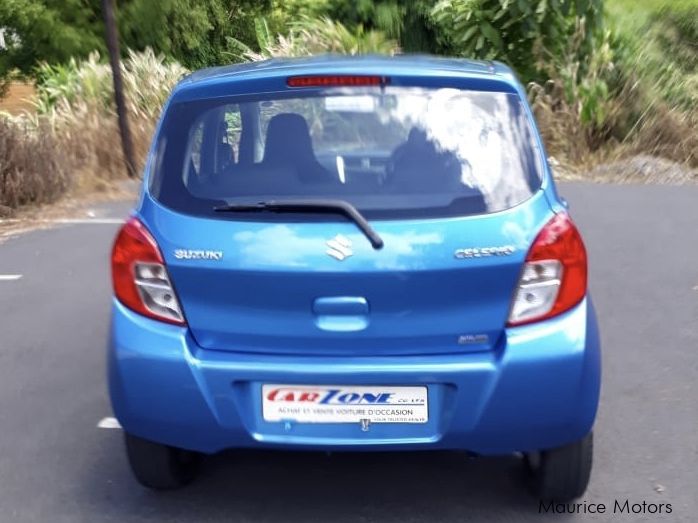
[[56, 465]]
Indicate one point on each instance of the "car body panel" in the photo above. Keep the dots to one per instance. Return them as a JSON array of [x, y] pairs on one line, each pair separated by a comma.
[[260, 294], [515, 389], [538, 390], [271, 75]]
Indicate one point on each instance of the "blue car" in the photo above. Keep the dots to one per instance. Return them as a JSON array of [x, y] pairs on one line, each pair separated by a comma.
[[352, 254]]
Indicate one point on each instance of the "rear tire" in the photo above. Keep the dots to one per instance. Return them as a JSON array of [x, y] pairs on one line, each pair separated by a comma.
[[158, 466], [562, 474]]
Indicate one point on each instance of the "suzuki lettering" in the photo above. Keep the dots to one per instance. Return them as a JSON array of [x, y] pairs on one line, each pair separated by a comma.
[[190, 254]]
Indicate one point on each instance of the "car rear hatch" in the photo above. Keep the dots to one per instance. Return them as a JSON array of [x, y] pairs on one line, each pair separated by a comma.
[[312, 284], [437, 286]]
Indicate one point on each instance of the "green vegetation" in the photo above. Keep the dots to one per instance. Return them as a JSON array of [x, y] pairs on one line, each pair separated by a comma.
[[606, 78], [51, 30], [309, 36], [71, 140], [655, 78], [525, 35], [658, 39], [191, 32]]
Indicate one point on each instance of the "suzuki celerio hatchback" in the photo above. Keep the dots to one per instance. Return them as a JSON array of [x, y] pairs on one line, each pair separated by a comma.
[[352, 254]]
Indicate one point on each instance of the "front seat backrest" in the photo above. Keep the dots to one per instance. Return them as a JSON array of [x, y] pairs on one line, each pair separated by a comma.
[[288, 145]]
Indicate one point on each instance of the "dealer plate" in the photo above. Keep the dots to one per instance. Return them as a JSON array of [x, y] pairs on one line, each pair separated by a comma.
[[344, 404]]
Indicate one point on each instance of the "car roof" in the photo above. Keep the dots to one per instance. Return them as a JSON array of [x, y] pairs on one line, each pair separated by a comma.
[[215, 81]]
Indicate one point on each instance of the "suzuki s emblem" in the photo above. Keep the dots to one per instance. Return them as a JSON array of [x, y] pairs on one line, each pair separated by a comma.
[[339, 247]]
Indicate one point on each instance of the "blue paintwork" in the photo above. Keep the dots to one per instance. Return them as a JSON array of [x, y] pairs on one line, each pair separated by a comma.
[[538, 389], [421, 297], [270, 76], [277, 309]]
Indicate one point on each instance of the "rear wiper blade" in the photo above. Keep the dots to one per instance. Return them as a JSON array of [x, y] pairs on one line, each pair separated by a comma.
[[310, 206]]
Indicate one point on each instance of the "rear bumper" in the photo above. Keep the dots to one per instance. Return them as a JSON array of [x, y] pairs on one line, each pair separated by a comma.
[[539, 391]]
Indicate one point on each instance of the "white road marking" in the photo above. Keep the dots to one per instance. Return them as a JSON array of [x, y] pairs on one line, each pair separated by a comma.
[[85, 221], [70, 221], [109, 423], [10, 277]]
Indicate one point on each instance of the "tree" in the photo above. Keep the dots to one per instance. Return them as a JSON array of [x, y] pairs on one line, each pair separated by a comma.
[[407, 21], [47, 30], [190, 31], [112, 41], [524, 33], [193, 32]]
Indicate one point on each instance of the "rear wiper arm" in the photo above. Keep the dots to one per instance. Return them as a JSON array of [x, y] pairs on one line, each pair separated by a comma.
[[310, 206]]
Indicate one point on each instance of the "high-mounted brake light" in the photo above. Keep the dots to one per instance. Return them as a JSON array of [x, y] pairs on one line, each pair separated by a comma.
[[554, 276], [139, 275], [335, 81]]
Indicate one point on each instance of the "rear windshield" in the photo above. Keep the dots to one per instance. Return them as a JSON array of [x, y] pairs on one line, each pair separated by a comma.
[[391, 152]]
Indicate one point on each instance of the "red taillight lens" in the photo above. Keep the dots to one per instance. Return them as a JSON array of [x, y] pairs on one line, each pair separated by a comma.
[[139, 275], [554, 277], [335, 81]]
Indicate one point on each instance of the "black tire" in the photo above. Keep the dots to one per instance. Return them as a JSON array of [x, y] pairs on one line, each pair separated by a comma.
[[562, 474], [158, 466]]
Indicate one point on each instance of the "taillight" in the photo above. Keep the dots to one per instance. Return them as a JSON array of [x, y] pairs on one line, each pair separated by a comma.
[[140, 277], [554, 276]]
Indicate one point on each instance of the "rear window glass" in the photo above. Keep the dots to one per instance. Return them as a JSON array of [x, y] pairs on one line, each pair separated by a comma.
[[391, 152]]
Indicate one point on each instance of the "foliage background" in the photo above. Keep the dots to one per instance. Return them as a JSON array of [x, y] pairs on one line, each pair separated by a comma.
[[607, 79]]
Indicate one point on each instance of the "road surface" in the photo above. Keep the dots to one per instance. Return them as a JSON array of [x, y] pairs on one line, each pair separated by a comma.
[[56, 465]]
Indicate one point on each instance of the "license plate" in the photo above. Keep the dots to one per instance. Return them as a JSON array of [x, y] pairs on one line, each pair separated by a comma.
[[344, 404]]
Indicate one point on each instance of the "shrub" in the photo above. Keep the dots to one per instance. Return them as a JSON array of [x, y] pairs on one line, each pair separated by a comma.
[[75, 100], [526, 34], [192, 32], [309, 36], [656, 80], [33, 167], [72, 139], [148, 80], [408, 22], [575, 107]]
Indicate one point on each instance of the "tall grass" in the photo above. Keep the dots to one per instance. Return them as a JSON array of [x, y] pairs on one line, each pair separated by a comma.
[[638, 93], [71, 139], [33, 167], [76, 101], [657, 54]]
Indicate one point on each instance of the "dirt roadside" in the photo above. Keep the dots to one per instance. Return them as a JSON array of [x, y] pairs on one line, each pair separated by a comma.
[[83, 206], [639, 169], [19, 97]]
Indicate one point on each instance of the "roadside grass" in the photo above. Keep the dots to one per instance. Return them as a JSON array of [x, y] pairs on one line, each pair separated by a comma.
[[640, 12], [32, 170], [70, 142], [657, 64]]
